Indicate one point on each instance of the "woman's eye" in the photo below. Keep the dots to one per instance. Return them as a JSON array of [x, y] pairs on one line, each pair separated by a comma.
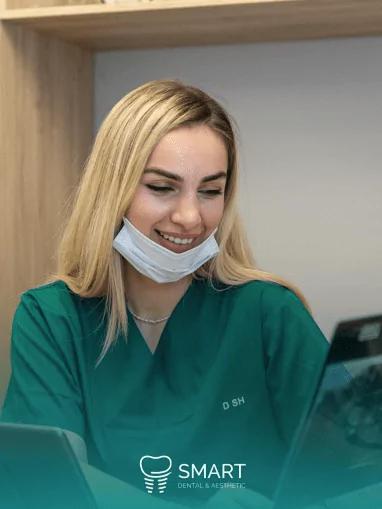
[[165, 189], [212, 192], [159, 189]]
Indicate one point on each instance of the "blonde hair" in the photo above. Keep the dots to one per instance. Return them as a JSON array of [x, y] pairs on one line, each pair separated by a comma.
[[86, 260]]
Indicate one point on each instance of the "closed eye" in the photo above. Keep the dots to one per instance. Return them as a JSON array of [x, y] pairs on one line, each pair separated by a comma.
[[165, 189], [212, 191], [159, 189]]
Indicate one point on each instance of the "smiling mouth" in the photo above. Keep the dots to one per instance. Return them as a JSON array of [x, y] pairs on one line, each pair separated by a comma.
[[176, 241], [175, 246]]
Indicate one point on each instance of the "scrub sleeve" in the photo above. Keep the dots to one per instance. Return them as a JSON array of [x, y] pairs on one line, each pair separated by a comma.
[[43, 384], [295, 350]]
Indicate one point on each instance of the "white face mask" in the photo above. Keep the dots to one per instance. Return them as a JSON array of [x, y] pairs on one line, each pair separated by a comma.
[[155, 261]]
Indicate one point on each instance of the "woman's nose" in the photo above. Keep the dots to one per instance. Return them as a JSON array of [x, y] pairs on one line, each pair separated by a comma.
[[187, 213]]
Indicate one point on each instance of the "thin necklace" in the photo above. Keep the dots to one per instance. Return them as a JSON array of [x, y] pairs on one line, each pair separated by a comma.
[[148, 320]]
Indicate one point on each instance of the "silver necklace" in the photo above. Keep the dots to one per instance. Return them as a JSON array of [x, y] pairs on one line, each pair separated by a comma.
[[148, 320]]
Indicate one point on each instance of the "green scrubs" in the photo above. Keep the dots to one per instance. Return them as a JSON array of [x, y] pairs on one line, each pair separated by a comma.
[[233, 372]]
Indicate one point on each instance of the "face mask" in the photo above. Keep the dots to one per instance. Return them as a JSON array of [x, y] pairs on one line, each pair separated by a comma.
[[157, 262]]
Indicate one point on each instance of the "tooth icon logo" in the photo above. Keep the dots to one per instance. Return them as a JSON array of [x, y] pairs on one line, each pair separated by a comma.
[[156, 470]]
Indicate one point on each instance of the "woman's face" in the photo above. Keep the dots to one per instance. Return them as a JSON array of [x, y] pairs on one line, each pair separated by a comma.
[[181, 192]]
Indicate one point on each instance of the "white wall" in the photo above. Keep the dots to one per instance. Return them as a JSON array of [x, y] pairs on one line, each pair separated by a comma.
[[310, 119]]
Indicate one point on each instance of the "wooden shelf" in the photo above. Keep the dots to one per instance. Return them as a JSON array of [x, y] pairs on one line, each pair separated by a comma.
[[173, 23]]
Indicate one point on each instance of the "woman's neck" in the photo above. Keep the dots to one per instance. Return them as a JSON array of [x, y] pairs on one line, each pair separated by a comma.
[[150, 299]]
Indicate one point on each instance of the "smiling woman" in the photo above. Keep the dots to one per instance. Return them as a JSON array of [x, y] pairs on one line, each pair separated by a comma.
[[180, 208], [157, 315]]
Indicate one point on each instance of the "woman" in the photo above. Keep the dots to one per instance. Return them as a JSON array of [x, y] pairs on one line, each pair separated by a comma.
[[158, 341]]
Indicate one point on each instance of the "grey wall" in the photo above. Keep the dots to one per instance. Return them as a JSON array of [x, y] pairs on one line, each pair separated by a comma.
[[310, 119]]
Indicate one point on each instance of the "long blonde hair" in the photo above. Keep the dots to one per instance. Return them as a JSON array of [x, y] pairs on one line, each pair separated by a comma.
[[86, 260]]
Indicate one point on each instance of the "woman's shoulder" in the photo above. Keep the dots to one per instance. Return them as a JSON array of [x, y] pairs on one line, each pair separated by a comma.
[[52, 293], [264, 297], [268, 298], [53, 297], [269, 292], [50, 287]]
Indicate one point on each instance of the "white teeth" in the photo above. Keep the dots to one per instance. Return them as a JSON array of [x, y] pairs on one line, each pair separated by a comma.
[[176, 240]]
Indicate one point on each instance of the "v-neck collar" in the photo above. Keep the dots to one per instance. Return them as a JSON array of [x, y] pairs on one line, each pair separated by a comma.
[[161, 343]]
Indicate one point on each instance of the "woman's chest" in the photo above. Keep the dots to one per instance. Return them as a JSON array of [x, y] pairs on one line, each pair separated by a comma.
[[209, 406], [151, 333], [221, 421]]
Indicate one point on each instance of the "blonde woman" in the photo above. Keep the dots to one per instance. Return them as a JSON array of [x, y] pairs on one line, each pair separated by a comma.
[[158, 339]]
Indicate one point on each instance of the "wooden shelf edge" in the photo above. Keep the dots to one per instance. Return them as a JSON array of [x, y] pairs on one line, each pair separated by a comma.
[[176, 23], [125, 7]]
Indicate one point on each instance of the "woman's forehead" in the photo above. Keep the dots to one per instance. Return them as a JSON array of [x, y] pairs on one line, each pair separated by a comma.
[[190, 153]]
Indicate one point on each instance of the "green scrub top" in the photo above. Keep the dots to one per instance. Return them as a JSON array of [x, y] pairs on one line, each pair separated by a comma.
[[233, 373]]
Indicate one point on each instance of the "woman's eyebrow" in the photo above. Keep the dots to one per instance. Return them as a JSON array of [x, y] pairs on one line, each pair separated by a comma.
[[178, 178]]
